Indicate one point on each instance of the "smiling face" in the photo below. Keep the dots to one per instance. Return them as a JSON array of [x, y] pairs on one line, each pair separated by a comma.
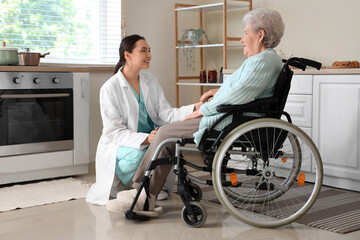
[[253, 42], [140, 56]]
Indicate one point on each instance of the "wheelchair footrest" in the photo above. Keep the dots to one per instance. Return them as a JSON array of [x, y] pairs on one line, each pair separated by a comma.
[[133, 216]]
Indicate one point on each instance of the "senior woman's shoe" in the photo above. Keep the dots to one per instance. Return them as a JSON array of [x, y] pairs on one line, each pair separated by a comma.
[[125, 200]]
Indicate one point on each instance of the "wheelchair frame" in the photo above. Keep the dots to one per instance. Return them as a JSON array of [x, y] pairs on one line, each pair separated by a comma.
[[266, 172]]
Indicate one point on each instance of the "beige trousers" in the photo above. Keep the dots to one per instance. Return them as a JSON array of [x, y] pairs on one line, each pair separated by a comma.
[[174, 130]]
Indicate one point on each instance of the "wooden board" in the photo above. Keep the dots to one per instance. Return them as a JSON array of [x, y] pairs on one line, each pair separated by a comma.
[[337, 67]]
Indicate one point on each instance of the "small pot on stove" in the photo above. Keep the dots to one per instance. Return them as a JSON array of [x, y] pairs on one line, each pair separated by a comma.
[[8, 56], [28, 58]]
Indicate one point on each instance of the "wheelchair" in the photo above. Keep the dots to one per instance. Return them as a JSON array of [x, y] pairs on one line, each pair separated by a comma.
[[265, 171]]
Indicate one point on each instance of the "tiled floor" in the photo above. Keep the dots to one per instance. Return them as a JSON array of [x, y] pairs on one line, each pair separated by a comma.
[[79, 220]]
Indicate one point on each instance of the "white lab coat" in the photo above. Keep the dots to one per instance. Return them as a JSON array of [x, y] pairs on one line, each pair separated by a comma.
[[119, 111]]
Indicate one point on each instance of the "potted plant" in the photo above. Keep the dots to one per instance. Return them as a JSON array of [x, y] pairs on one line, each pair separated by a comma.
[[189, 39]]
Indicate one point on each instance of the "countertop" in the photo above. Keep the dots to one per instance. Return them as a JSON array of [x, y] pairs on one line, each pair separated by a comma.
[[313, 71], [328, 71], [309, 71], [57, 68]]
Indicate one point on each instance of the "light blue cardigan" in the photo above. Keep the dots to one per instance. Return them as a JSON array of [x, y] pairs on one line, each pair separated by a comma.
[[256, 78]]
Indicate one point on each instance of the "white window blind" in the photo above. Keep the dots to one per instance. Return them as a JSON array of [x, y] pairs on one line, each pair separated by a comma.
[[73, 31]]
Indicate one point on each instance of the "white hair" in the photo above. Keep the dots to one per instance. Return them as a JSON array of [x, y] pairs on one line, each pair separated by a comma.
[[268, 20]]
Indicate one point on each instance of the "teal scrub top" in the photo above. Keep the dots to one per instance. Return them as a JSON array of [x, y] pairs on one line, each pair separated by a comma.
[[145, 125], [128, 159]]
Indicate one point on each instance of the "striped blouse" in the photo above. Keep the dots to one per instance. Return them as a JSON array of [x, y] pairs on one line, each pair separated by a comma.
[[256, 78]]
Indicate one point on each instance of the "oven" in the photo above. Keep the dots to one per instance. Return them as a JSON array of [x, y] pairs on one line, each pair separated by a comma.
[[36, 112]]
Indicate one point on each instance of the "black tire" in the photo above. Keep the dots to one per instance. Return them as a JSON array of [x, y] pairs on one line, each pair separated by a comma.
[[198, 218], [196, 192]]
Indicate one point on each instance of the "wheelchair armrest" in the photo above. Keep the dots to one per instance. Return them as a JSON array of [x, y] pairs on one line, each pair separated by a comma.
[[248, 106]]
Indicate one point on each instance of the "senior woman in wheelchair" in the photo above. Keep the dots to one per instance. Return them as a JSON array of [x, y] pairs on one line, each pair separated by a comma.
[[255, 79]]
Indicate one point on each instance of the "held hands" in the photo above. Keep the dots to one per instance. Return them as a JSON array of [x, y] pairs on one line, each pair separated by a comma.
[[151, 136], [194, 114], [208, 96], [198, 105]]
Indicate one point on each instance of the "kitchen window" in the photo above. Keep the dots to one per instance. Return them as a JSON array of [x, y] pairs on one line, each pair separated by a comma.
[[73, 31]]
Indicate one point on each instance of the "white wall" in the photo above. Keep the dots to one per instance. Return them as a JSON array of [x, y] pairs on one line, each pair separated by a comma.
[[324, 30], [155, 21]]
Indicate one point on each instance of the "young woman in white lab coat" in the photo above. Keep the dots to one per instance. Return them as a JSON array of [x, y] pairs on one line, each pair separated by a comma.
[[129, 100]]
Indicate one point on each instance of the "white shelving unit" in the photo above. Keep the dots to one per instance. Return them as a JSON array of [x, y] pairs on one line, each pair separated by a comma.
[[226, 43], [212, 45]]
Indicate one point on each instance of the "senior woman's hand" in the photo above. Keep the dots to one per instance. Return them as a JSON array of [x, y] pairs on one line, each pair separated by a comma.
[[194, 114], [207, 96]]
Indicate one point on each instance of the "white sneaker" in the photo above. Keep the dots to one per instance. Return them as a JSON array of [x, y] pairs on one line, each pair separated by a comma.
[[163, 195]]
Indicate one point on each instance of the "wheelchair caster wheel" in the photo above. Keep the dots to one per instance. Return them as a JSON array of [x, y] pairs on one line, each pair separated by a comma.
[[197, 215], [196, 192]]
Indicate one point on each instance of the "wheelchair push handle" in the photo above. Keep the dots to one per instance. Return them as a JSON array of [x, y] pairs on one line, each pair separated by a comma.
[[298, 65], [302, 63], [311, 63]]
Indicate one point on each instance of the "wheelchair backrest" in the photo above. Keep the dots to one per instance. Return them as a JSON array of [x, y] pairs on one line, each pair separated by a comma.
[[283, 84], [282, 88]]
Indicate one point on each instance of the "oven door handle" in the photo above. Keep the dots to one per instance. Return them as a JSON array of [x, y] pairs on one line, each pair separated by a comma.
[[44, 95]]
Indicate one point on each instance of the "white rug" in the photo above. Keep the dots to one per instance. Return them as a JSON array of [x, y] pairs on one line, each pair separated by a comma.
[[41, 193]]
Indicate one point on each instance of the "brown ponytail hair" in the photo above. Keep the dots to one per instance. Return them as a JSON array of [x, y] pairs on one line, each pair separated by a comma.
[[127, 44]]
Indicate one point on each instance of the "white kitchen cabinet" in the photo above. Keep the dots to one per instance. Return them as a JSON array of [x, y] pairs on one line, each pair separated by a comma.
[[336, 128], [81, 118], [327, 108], [300, 109], [299, 102]]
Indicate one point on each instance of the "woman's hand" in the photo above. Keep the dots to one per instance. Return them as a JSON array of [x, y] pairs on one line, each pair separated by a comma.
[[151, 136], [195, 114], [209, 95], [198, 105]]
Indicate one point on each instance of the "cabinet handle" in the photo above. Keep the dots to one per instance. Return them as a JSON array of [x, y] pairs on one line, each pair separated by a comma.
[[50, 95], [82, 88]]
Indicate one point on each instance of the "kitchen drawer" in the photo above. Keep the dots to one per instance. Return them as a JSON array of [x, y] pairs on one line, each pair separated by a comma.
[[300, 109], [301, 84], [39, 161]]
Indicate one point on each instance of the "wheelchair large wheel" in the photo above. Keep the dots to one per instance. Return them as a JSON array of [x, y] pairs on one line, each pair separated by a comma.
[[267, 173]]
